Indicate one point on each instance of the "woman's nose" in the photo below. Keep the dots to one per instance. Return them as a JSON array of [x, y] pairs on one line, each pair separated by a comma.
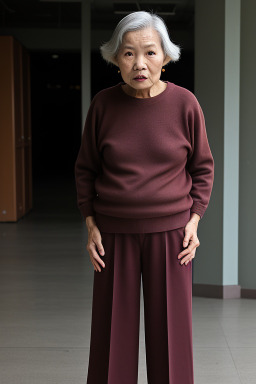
[[139, 63]]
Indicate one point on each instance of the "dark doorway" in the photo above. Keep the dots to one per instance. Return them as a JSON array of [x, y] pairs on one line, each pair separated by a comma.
[[56, 112]]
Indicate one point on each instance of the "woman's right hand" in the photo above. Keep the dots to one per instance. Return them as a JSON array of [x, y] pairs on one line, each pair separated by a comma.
[[94, 244]]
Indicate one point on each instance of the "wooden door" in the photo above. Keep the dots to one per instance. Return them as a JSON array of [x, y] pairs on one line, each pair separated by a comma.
[[15, 131]]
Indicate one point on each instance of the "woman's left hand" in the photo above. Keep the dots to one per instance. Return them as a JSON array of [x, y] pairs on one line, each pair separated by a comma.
[[190, 238]]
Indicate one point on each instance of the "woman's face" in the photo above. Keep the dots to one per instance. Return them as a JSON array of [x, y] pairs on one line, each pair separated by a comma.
[[141, 53]]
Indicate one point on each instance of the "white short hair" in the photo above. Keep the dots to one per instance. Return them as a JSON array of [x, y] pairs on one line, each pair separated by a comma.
[[136, 21]]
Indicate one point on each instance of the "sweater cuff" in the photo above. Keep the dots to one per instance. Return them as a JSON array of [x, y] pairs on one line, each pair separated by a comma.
[[198, 208], [87, 210]]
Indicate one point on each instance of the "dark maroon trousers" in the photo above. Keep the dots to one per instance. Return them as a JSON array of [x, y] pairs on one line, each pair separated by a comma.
[[167, 294]]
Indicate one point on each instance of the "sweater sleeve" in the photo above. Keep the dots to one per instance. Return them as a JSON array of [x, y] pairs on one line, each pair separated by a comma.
[[88, 164], [200, 163]]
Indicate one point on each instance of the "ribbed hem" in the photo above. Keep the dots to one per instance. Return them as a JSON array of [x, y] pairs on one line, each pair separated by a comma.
[[112, 224], [198, 208], [87, 210]]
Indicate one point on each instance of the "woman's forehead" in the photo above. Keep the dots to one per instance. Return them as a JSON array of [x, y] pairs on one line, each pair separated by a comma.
[[147, 35]]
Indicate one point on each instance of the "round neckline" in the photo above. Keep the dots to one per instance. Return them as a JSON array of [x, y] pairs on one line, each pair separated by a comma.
[[145, 100]]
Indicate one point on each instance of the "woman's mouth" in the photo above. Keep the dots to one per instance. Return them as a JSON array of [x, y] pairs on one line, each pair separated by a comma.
[[140, 78]]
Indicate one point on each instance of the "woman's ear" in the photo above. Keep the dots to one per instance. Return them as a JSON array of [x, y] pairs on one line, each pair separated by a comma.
[[115, 61], [166, 60]]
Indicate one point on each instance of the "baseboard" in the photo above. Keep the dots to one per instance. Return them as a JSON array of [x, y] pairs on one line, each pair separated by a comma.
[[248, 293], [218, 291]]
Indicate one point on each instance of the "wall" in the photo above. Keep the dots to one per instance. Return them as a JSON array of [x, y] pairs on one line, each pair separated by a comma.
[[247, 188]]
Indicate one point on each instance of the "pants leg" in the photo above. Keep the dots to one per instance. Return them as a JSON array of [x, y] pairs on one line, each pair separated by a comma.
[[114, 345], [167, 293]]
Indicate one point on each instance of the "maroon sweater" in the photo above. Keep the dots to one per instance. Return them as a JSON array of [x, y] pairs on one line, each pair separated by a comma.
[[144, 164]]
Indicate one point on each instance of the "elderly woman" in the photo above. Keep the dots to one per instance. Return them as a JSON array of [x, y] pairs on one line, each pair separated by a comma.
[[144, 176]]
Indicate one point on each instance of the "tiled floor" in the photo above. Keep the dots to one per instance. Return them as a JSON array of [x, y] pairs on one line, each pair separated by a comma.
[[45, 305]]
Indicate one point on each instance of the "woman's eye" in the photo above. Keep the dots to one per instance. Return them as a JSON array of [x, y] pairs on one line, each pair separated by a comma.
[[128, 53]]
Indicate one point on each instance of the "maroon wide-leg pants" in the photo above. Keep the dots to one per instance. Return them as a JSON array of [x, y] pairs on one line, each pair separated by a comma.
[[167, 294]]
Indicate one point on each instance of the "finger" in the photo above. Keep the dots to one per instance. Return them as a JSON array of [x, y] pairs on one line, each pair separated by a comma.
[[93, 253], [185, 260], [100, 248], [185, 251], [98, 269], [186, 239], [95, 264], [95, 269], [188, 261], [193, 244], [97, 258], [188, 258], [188, 250]]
